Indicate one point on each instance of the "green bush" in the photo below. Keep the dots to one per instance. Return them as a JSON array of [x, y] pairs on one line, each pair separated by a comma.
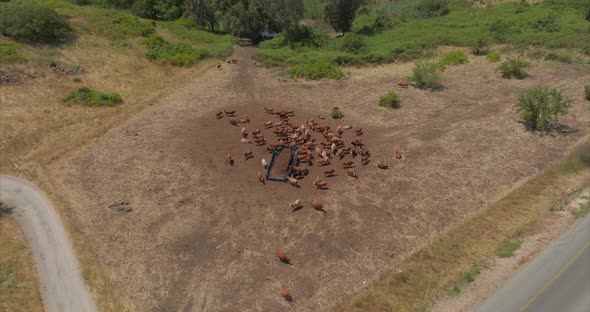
[[337, 113], [353, 43], [426, 75], [432, 8], [302, 36], [9, 52], [480, 45], [541, 106], [514, 68], [316, 70], [507, 248], [559, 57], [390, 100], [89, 97], [453, 58], [587, 91], [179, 54], [32, 22], [494, 57], [546, 23]]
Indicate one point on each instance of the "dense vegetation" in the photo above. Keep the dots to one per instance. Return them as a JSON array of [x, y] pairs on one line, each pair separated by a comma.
[[32, 22], [180, 54], [587, 92], [453, 58], [540, 107], [405, 30], [89, 97], [316, 70]]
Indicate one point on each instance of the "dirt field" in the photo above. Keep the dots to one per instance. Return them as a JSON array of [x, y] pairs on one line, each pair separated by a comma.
[[202, 235]]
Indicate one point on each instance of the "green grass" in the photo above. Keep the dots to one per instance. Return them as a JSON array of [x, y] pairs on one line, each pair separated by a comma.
[[179, 54], [562, 57], [218, 45], [583, 211], [316, 70], [587, 92], [453, 58], [494, 57], [514, 68], [412, 37], [10, 52], [507, 248], [89, 97]]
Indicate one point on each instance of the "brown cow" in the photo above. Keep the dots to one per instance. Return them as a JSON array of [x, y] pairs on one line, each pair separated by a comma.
[[260, 177], [352, 173], [398, 155], [230, 113], [248, 155], [283, 256], [347, 164], [329, 172], [403, 84], [219, 115], [229, 160], [218, 66], [233, 122], [285, 294], [318, 206]]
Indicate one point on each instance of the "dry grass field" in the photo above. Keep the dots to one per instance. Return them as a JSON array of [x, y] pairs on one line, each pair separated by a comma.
[[202, 235]]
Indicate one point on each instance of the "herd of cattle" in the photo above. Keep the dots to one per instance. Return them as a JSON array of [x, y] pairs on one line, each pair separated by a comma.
[[330, 150]]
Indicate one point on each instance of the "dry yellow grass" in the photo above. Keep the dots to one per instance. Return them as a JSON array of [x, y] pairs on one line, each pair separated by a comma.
[[432, 270], [37, 128], [19, 291]]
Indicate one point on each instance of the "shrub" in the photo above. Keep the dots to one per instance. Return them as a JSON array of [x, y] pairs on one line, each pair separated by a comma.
[[179, 54], [499, 30], [390, 100], [32, 22], [541, 106], [304, 36], [514, 68], [559, 57], [587, 91], [316, 70], [426, 75], [89, 97], [432, 8], [353, 43], [494, 57], [507, 248], [337, 113], [453, 58], [547, 23], [9, 52], [480, 45]]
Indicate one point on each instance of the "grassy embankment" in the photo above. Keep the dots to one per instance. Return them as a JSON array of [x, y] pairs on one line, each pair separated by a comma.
[[444, 264], [397, 32]]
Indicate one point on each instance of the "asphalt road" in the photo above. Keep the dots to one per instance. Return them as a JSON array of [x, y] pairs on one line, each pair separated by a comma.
[[61, 283], [558, 280]]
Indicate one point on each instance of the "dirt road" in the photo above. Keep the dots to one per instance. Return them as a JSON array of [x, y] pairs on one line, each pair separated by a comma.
[[61, 283]]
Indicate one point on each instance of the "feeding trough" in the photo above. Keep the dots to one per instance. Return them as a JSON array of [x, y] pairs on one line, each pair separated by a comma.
[[281, 163]]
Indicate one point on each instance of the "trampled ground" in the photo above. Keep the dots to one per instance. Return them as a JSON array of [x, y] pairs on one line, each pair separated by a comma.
[[202, 235]]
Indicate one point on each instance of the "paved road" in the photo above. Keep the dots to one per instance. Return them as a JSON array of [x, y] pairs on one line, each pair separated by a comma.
[[62, 287], [557, 280]]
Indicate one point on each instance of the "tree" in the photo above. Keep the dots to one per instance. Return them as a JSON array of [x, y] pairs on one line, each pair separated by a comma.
[[203, 12], [249, 17], [341, 13]]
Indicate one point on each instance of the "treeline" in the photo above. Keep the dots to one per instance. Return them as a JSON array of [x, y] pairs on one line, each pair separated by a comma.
[[239, 17]]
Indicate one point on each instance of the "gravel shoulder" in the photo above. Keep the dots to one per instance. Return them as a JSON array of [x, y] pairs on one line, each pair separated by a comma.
[[62, 285]]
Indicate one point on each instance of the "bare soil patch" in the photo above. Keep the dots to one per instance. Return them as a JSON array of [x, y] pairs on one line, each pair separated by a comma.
[[202, 235]]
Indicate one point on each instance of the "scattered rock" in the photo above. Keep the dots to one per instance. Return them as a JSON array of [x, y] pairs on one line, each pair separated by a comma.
[[18, 75], [67, 70], [121, 206]]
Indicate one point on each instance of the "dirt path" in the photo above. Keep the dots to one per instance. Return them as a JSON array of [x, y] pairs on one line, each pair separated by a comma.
[[61, 283]]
